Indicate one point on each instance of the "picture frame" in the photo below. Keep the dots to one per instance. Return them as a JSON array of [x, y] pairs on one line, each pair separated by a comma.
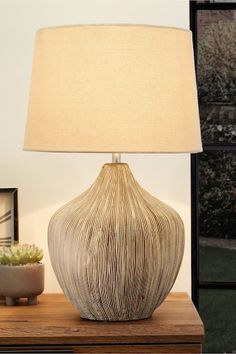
[[8, 216]]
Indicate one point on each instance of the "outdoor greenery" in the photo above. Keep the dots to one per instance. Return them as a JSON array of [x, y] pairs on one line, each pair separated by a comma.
[[217, 64], [217, 194], [218, 123], [217, 310], [217, 264], [218, 307]]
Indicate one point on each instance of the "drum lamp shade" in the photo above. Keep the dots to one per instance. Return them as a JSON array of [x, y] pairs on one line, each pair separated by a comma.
[[113, 88]]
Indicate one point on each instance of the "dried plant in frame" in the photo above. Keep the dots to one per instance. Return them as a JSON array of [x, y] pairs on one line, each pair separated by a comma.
[[8, 216]]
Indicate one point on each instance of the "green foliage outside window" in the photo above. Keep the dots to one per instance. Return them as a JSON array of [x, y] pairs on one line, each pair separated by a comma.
[[217, 64], [217, 194]]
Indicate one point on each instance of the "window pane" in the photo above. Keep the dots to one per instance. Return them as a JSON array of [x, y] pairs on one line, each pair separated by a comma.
[[217, 263], [217, 215], [216, 67], [218, 312]]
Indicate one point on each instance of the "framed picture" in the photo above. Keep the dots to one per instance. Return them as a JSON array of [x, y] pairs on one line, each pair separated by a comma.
[[8, 216]]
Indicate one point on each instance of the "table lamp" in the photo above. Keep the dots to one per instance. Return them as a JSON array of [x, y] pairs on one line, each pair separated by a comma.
[[116, 250]]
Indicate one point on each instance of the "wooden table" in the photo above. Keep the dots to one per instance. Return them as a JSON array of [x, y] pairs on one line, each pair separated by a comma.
[[55, 325]]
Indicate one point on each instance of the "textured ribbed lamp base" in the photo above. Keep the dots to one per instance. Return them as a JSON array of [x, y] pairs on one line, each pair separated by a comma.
[[116, 250]]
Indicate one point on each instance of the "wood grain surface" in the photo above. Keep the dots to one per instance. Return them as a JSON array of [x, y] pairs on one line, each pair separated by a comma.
[[103, 349], [54, 321]]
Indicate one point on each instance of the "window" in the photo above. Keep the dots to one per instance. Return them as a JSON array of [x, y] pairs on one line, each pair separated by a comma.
[[214, 174]]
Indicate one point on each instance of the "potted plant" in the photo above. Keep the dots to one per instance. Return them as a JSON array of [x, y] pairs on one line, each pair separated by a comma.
[[21, 273]]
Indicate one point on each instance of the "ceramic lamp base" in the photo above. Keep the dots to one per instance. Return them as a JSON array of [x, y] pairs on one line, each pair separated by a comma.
[[116, 250]]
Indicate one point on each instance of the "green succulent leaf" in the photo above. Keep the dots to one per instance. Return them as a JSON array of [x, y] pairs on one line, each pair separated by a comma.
[[20, 254]]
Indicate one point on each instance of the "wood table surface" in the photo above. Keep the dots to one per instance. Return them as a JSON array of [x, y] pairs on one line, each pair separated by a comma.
[[54, 321]]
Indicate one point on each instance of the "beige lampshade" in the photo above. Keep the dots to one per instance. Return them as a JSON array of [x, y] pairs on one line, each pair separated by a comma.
[[113, 88]]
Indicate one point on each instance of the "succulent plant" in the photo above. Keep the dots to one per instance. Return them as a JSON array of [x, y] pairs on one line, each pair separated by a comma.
[[20, 254]]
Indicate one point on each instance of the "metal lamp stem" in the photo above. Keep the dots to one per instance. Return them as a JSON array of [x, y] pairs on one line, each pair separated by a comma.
[[116, 157]]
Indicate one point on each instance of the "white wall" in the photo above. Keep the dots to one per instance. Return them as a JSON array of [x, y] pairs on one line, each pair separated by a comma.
[[46, 181]]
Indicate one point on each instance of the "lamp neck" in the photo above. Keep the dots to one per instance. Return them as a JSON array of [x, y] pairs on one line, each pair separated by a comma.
[[116, 157]]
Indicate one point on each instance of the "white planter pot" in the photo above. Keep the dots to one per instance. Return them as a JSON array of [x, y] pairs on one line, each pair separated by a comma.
[[21, 281]]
